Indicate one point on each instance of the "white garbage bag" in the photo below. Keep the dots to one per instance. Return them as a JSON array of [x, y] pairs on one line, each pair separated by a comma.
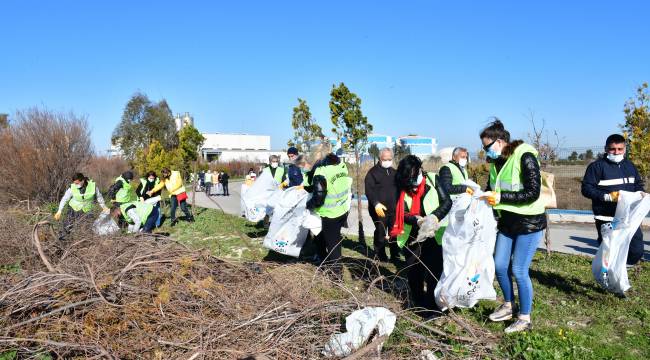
[[242, 191], [609, 264], [105, 225], [256, 199], [153, 200], [290, 223], [467, 252], [360, 325]]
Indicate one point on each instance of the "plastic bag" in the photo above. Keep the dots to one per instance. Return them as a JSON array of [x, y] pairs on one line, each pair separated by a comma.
[[290, 223], [428, 228], [360, 325], [105, 225], [609, 264], [467, 252], [256, 198]]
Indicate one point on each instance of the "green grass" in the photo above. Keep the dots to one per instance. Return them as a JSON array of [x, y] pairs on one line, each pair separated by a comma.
[[573, 318]]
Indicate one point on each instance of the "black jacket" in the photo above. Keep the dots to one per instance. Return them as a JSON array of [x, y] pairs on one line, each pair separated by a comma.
[[380, 188], [143, 192], [224, 179], [603, 177], [446, 180], [318, 187], [444, 205], [516, 224]]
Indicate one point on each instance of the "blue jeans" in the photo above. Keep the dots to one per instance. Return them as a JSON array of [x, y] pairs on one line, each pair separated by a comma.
[[150, 223], [159, 220], [512, 256]]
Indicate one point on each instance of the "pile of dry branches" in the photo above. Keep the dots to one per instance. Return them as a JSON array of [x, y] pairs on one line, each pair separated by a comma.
[[150, 297]]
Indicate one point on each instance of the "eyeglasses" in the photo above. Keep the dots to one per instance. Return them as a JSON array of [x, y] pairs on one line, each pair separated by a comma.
[[487, 147]]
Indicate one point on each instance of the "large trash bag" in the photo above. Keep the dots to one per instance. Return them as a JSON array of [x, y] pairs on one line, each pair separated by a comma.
[[105, 225], [290, 223], [609, 264], [467, 252], [256, 199]]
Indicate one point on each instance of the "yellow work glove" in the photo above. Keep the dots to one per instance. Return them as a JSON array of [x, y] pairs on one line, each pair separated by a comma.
[[469, 191], [106, 210], [380, 210], [57, 216], [302, 187], [492, 197], [613, 196]]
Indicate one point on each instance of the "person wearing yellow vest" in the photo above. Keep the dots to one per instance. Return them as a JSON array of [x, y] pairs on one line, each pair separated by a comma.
[[453, 174], [277, 172], [173, 182], [122, 191], [80, 196], [139, 215], [420, 196], [514, 192], [331, 199]]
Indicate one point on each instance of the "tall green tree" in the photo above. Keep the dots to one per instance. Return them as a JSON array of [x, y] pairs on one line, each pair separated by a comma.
[[305, 129], [353, 128], [637, 129], [190, 141], [373, 151], [143, 122], [401, 152]]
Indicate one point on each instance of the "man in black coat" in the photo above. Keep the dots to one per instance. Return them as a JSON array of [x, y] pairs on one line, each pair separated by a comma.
[[603, 180], [381, 192]]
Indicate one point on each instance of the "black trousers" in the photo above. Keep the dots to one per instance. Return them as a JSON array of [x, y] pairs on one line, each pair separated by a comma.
[[383, 227], [328, 242], [71, 219], [225, 189], [635, 252], [174, 204], [424, 264]]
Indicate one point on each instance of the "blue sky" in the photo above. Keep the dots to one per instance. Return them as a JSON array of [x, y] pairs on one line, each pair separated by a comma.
[[436, 68]]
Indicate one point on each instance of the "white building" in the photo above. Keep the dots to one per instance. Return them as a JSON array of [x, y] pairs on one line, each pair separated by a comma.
[[228, 147], [421, 146]]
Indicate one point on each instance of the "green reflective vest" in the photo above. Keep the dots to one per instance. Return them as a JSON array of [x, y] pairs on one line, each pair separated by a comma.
[[279, 173], [509, 180], [144, 181], [338, 197], [141, 208], [458, 176], [83, 201], [430, 202], [126, 193]]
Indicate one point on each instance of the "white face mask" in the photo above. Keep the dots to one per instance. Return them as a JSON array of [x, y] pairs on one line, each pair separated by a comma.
[[386, 164], [78, 186], [274, 165], [462, 162], [615, 158], [151, 180], [420, 178]]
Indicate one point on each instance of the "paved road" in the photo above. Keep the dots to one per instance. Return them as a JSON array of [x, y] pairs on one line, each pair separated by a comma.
[[570, 238]]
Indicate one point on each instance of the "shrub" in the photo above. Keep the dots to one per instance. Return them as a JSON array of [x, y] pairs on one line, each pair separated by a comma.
[[40, 152]]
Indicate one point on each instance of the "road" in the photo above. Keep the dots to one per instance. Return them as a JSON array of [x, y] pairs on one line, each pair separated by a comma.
[[569, 238]]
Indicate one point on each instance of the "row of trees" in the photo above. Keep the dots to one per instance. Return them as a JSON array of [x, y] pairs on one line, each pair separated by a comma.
[[148, 139]]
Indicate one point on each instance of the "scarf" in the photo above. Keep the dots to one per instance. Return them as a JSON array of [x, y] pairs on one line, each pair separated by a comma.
[[416, 196]]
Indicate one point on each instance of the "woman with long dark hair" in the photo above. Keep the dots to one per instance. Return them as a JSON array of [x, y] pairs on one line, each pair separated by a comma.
[[513, 190], [420, 195]]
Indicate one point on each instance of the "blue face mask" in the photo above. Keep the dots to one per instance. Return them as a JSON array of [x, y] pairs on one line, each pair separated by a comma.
[[493, 154]]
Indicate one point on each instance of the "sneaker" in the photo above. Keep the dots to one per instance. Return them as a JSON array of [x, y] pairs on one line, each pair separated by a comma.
[[519, 325], [502, 313]]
